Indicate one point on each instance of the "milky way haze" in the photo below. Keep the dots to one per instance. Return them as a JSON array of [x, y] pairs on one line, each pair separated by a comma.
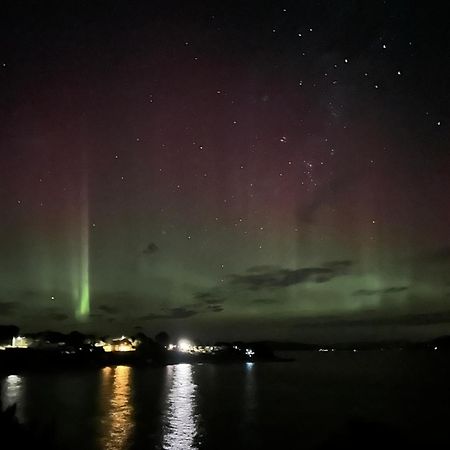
[[255, 170]]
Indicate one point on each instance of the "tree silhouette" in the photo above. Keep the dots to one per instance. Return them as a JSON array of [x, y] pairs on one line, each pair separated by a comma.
[[162, 338]]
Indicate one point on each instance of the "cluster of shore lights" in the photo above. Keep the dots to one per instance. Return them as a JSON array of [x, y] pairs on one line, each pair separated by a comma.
[[186, 346]]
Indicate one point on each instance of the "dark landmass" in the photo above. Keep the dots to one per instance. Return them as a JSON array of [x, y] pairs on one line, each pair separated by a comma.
[[52, 350]]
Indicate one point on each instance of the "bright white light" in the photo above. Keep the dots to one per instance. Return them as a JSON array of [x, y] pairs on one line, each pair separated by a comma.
[[184, 345], [249, 352], [435, 348]]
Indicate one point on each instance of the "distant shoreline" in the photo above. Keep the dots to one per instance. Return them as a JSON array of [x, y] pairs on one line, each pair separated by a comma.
[[33, 360], [41, 361]]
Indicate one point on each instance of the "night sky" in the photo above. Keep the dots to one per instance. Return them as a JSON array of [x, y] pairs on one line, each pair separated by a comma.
[[226, 169]]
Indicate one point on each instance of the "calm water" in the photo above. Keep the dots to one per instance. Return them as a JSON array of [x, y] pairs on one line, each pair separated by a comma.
[[262, 405]]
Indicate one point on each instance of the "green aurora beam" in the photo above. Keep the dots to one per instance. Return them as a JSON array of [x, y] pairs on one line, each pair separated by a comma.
[[83, 287]]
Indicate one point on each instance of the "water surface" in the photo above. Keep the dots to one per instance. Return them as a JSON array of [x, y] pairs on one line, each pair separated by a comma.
[[252, 405]]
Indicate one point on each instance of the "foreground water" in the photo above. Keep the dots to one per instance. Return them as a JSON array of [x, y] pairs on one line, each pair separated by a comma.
[[260, 405]]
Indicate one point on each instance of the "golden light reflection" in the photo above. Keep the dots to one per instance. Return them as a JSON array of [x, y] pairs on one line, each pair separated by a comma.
[[13, 387], [118, 411], [180, 430]]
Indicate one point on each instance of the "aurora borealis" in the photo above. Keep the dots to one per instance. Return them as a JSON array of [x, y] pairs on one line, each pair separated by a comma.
[[82, 294], [262, 170]]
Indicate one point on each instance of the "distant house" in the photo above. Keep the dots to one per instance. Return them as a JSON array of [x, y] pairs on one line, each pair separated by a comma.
[[122, 344]]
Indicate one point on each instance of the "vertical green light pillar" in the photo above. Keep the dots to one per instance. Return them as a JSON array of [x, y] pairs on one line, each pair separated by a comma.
[[83, 281]]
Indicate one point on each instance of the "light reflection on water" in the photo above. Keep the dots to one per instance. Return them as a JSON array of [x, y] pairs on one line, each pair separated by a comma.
[[13, 387], [180, 422], [249, 405], [250, 389], [118, 411]]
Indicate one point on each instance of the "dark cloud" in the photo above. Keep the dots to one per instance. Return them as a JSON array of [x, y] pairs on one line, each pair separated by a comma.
[[7, 308], [171, 313], [150, 249], [181, 313], [287, 277], [395, 289], [209, 303], [417, 319], [196, 305], [108, 309], [215, 308], [389, 290], [262, 268], [209, 298]]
